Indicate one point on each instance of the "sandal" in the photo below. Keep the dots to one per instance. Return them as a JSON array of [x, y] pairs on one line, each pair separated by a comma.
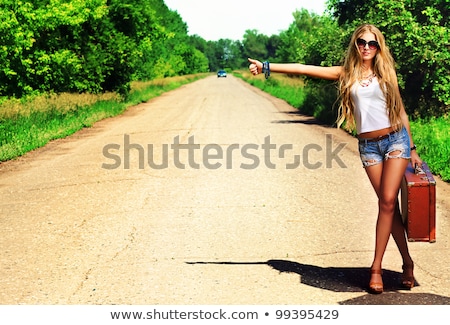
[[376, 287], [408, 276]]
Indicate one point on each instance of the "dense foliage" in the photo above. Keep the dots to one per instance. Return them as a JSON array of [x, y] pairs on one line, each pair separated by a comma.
[[102, 45], [91, 45], [417, 32]]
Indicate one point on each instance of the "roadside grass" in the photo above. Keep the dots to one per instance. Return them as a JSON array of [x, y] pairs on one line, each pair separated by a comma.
[[29, 123], [432, 136], [290, 89]]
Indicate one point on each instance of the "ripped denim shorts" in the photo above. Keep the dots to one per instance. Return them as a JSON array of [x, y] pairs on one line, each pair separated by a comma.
[[395, 145]]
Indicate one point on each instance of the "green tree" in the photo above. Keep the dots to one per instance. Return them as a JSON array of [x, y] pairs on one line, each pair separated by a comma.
[[60, 45], [91, 45], [417, 32], [317, 40], [312, 39], [273, 44], [255, 44], [165, 49]]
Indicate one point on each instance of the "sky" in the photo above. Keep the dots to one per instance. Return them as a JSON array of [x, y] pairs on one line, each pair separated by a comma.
[[229, 19]]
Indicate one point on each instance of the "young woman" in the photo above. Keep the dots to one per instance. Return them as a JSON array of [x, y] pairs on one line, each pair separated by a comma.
[[371, 102]]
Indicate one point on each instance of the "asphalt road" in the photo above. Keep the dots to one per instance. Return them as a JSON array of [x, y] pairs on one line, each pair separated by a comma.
[[214, 193]]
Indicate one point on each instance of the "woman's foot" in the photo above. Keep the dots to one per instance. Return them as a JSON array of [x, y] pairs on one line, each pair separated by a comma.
[[408, 276], [376, 281]]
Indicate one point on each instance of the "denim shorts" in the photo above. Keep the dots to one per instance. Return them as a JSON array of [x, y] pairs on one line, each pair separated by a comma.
[[396, 145]]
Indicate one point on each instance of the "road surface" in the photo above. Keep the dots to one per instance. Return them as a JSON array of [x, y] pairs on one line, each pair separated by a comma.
[[214, 193]]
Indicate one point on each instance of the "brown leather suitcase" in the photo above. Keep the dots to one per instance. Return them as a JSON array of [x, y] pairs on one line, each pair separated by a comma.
[[418, 204]]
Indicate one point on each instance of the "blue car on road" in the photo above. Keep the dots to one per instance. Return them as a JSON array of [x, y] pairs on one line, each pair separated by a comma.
[[221, 74]]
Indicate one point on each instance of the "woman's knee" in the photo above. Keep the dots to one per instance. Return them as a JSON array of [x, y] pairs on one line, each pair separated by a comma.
[[388, 203]]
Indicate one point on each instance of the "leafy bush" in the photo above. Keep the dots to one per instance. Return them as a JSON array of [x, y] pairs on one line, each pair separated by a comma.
[[417, 33], [321, 101], [90, 46], [432, 137]]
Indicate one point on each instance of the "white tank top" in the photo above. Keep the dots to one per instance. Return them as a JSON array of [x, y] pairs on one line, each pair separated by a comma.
[[370, 107]]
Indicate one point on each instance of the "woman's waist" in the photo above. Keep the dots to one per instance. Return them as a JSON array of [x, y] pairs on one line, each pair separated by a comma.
[[380, 134]]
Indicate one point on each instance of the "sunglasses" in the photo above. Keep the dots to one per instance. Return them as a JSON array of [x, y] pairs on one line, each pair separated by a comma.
[[373, 45]]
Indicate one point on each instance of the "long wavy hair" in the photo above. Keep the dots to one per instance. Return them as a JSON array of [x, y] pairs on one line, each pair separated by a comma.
[[384, 68]]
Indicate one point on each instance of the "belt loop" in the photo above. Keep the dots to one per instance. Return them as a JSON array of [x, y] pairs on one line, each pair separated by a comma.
[[392, 134]]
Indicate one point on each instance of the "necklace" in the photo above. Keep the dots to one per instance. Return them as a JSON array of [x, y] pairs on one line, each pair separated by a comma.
[[366, 81]]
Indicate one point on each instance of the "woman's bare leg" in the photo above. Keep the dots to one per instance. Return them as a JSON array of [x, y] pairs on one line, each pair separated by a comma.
[[399, 235], [386, 178]]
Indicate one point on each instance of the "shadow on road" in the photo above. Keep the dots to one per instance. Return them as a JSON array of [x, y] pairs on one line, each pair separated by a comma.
[[395, 298], [302, 119], [345, 279]]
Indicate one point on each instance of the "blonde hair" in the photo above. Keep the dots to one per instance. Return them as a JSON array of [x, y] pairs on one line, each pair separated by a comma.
[[383, 67]]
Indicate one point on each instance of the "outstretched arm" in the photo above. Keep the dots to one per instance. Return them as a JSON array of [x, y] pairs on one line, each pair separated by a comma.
[[329, 73]]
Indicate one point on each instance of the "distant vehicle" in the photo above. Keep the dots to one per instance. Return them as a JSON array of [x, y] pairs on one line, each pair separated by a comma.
[[221, 73]]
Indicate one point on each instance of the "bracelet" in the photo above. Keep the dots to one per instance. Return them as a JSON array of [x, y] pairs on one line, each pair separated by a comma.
[[413, 148], [266, 69]]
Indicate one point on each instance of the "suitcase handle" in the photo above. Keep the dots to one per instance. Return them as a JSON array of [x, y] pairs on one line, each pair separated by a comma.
[[418, 170]]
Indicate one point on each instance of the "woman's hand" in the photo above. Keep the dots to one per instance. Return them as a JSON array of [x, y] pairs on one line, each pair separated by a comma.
[[255, 66], [415, 159]]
